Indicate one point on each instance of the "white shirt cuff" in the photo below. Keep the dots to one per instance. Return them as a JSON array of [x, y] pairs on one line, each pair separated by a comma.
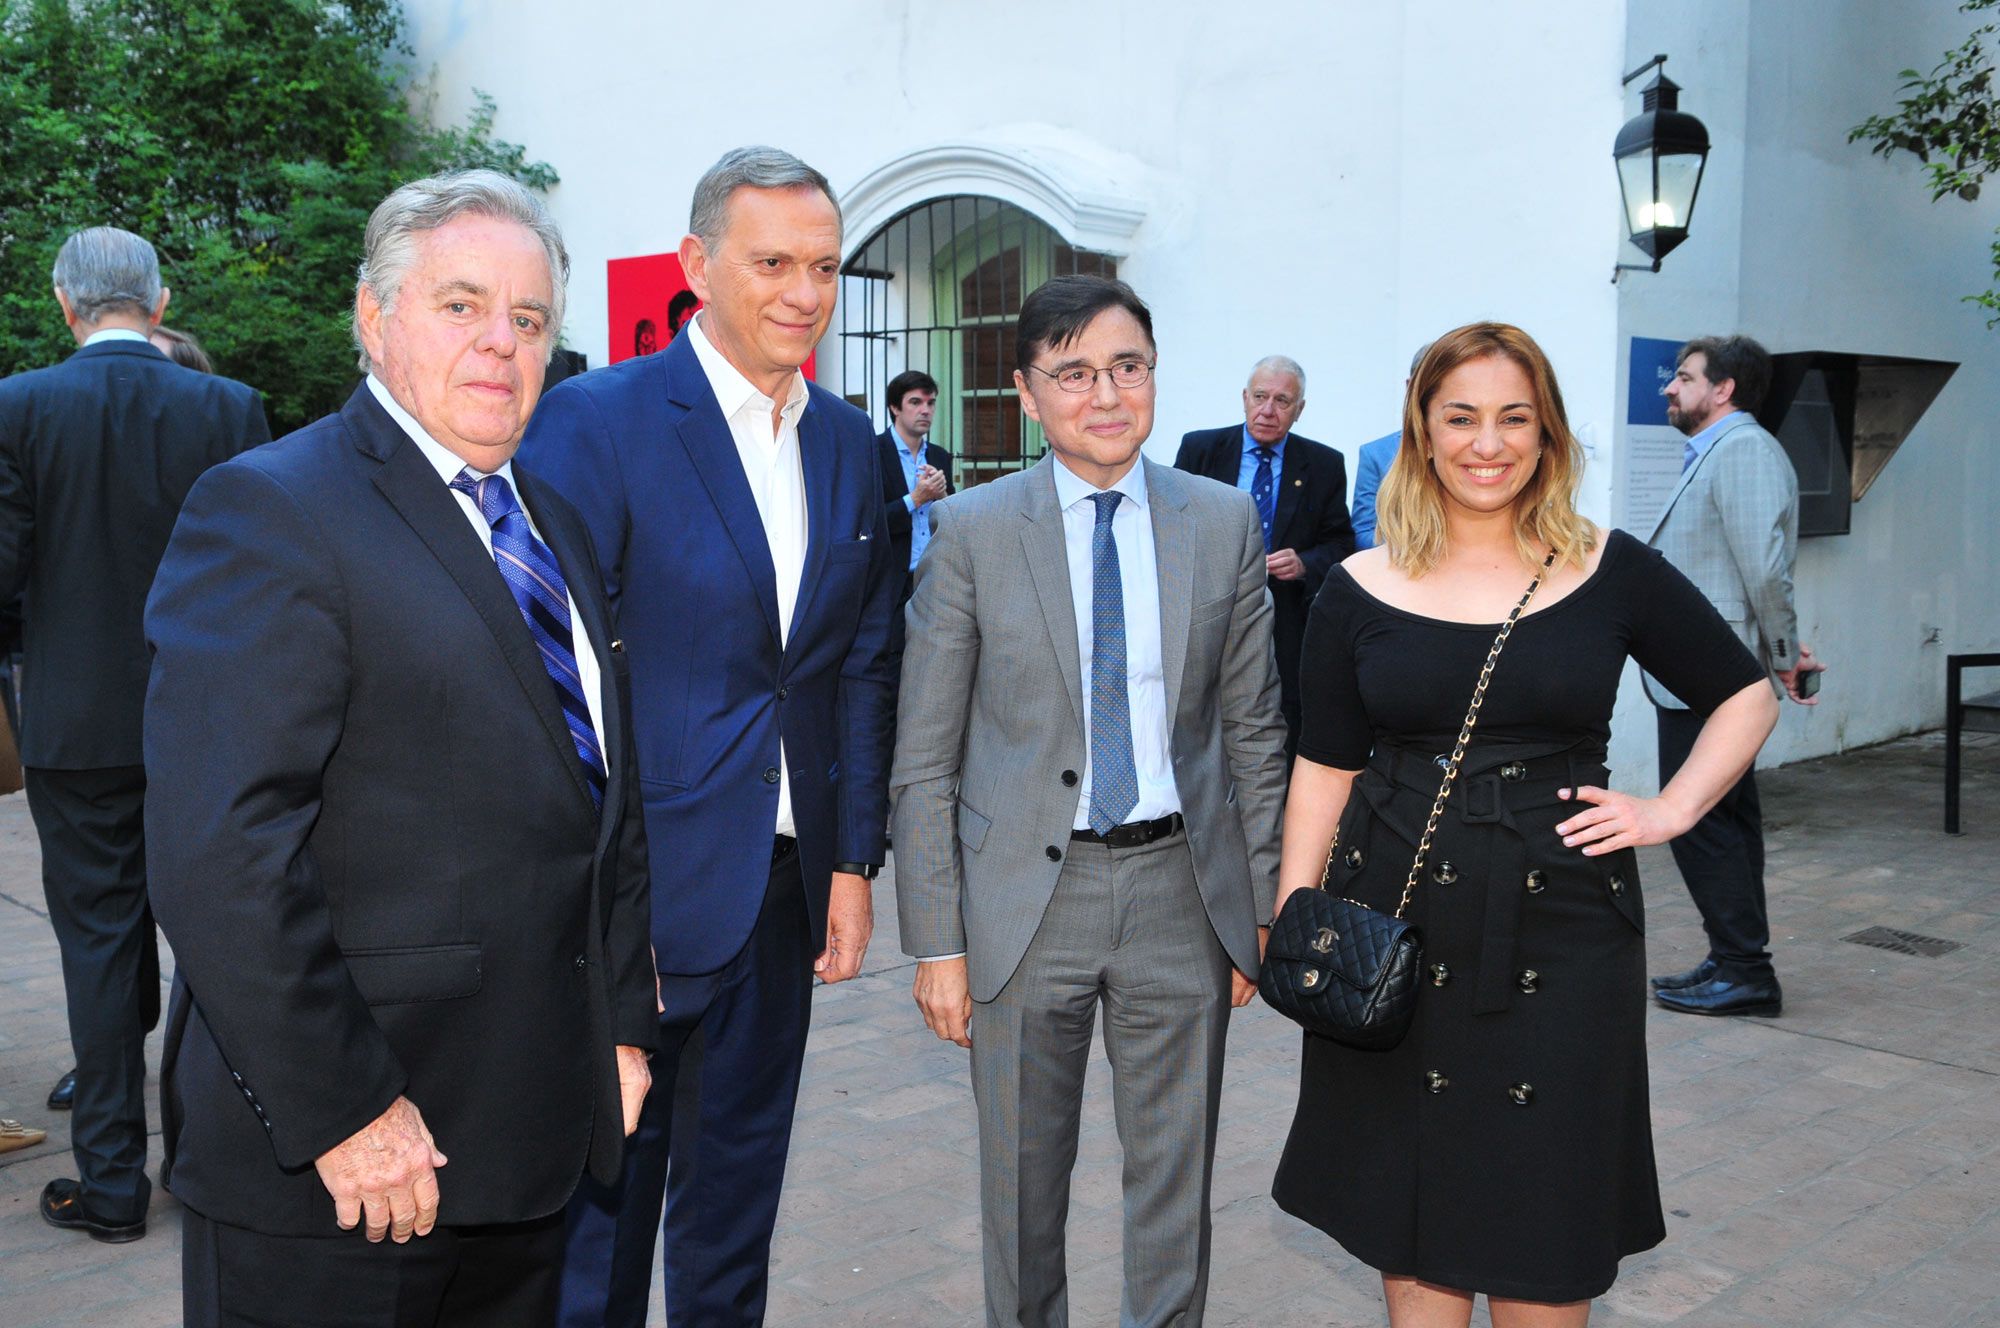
[[939, 959]]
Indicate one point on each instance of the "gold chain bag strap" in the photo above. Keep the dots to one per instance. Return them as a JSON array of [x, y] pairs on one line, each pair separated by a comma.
[[1349, 972]]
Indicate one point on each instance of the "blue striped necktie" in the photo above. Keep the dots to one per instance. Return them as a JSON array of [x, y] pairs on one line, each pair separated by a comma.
[[1114, 779], [530, 571], [1263, 491]]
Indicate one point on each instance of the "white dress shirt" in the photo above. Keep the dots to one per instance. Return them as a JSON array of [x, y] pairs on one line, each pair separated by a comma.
[[448, 463], [777, 481], [1145, 668]]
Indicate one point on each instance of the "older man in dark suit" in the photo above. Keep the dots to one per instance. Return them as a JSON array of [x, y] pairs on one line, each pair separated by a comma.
[[96, 455], [394, 837], [1300, 488]]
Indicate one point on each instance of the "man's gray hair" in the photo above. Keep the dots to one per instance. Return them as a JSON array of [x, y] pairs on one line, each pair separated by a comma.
[[104, 270], [1418, 358], [756, 168], [390, 245], [1284, 364]]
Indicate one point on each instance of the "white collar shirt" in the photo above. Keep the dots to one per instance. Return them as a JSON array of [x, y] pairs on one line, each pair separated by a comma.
[[1145, 666], [116, 334], [448, 463], [772, 465]]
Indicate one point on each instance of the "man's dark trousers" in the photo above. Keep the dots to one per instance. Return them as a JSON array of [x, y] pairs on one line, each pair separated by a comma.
[[1722, 860], [92, 828], [722, 1212], [456, 1277]]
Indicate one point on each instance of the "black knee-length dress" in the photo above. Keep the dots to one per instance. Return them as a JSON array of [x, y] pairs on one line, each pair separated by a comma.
[[1504, 1146]]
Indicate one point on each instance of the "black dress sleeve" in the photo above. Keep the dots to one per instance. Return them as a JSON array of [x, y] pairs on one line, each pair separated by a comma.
[[1680, 639], [1333, 723]]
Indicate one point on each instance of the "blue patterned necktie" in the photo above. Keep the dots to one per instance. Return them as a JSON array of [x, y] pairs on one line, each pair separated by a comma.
[[1114, 780], [1264, 492], [530, 571]]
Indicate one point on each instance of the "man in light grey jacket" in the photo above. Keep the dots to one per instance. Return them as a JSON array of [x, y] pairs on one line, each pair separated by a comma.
[[1088, 784], [1732, 527]]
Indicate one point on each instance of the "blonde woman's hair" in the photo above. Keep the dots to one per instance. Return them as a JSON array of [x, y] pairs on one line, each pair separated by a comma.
[[1410, 511]]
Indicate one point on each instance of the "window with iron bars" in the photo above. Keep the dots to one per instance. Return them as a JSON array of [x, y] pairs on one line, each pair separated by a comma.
[[938, 288]]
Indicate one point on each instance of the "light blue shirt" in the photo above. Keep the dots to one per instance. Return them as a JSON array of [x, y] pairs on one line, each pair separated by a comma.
[[116, 334], [1145, 667], [920, 525], [1697, 446], [1246, 470], [1372, 465]]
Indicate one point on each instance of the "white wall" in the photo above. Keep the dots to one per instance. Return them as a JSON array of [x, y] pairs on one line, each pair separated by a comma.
[[1336, 182], [1340, 182], [1807, 242]]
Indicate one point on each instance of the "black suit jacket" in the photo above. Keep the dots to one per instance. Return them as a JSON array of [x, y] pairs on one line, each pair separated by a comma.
[[96, 455], [1311, 520], [370, 842], [895, 489]]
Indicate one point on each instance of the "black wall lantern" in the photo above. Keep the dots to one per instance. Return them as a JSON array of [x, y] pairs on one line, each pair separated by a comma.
[[1660, 154]]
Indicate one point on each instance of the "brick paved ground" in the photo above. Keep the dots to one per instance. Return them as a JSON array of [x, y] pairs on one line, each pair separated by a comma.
[[1835, 1167]]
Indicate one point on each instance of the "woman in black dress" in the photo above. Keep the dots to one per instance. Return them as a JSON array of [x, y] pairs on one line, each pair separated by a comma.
[[1504, 1146]]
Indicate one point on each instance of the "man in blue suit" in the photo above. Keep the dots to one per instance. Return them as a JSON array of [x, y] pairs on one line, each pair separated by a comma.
[[1371, 465], [737, 514]]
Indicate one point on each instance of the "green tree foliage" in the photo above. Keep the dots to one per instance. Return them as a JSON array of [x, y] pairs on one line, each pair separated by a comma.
[[247, 139], [1949, 120]]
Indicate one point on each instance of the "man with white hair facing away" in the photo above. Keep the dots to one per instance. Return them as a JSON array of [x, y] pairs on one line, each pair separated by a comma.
[[96, 455]]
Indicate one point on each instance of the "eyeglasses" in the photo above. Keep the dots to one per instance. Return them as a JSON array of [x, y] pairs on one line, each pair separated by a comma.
[[1083, 378]]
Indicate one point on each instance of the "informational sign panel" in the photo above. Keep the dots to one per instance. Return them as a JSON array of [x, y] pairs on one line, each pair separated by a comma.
[[1651, 458]]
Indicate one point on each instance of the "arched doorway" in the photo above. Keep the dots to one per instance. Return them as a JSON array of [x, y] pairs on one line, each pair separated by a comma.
[[938, 287]]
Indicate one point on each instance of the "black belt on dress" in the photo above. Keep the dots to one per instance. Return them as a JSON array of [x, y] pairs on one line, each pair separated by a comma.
[[1133, 834]]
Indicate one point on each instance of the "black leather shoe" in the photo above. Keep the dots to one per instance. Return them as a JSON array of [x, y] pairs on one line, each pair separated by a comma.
[[63, 1096], [1721, 996], [1694, 977], [62, 1206]]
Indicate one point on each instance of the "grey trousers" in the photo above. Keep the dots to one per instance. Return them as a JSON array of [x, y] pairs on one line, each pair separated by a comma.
[[1127, 930]]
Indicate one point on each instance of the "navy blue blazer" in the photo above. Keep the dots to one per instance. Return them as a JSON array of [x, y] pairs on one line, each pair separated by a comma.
[[96, 455], [370, 842], [642, 449]]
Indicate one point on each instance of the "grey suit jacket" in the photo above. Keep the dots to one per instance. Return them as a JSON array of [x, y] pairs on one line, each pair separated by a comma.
[[1732, 527], [990, 742]]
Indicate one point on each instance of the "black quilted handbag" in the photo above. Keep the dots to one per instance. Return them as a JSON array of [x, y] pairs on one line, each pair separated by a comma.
[[1342, 969]]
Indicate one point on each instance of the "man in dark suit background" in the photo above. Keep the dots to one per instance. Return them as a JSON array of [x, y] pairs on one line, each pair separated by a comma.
[[915, 471], [738, 517], [1300, 488], [393, 835], [96, 455]]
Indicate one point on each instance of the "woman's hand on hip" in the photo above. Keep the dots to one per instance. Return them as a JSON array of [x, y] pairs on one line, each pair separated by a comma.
[[1615, 821]]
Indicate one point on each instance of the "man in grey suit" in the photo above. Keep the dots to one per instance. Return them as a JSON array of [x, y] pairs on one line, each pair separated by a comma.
[[1088, 783], [1732, 527]]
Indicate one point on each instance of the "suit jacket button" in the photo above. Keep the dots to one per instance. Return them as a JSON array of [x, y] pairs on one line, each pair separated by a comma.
[[1513, 772], [580, 963], [1528, 980], [1617, 885], [784, 692], [1436, 1082], [770, 774], [1439, 975], [1537, 881], [1069, 778], [1444, 873], [1355, 858], [1055, 854], [1521, 1094]]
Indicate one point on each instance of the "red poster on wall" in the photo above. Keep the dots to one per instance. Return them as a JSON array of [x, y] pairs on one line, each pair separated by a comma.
[[649, 303]]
